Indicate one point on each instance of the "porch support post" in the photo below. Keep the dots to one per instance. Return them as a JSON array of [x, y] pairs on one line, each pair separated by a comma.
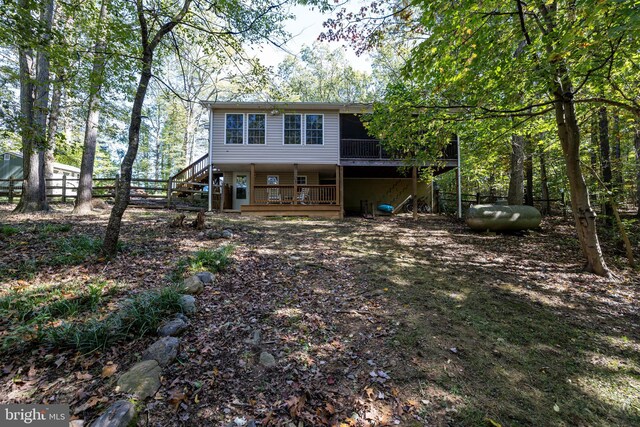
[[295, 183], [252, 194], [224, 184], [340, 189], [414, 195]]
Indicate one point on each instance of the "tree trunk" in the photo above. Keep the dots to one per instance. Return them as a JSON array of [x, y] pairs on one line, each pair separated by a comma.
[[52, 126], [593, 150], [636, 141], [29, 201], [528, 172], [123, 185], [544, 190], [85, 185], [35, 111], [516, 179], [605, 159], [584, 216], [616, 163]]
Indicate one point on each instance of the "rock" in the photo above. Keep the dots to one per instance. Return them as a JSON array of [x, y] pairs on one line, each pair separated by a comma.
[[193, 285], [256, 338], [120, 414], [206, 277], [173, 327], [188, 304], [182, 317], [212, 234], [164, 351], [201, 235], [227, 234], [267, 360], [76, 423], [142, 380]]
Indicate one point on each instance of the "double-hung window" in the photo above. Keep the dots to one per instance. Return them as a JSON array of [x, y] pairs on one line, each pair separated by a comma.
[[245, 128], [293, 128], [314, 129], [256, 128], [303, 129], [234, 128]]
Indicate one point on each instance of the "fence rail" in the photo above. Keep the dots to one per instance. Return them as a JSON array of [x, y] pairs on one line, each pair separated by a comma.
[[446, 201], [66, 188]]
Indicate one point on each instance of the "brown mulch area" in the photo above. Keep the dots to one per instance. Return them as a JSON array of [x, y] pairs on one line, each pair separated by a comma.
[[382, 322]]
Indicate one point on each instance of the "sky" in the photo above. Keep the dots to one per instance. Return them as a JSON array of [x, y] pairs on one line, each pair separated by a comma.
[[305, 29]]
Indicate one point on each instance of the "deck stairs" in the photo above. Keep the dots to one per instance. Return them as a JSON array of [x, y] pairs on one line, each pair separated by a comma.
[[398, 193], [191, 178]]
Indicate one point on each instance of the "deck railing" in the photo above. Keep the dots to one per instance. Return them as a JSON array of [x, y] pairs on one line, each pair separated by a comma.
[[362, 149], [372, 149], [284, 194]]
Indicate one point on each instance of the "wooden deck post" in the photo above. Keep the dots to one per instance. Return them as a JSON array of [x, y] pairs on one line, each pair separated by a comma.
[[64, 188], [252, 184], [340, 189], [295, 183], [414, 191]]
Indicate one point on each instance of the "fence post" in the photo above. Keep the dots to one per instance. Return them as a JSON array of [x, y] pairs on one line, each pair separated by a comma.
[[64, 188], [169, 182], [11, 189]]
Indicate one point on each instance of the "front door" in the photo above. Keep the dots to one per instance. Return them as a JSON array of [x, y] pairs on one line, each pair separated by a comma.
[[240, 189]]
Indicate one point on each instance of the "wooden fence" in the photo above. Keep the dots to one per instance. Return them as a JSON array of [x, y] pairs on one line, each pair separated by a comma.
[[447, 202]]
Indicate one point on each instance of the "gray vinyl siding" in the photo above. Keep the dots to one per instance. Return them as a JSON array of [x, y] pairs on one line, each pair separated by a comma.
[[274, 150]]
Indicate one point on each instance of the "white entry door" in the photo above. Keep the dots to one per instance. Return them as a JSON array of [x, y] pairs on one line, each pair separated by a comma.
[[241, 189]]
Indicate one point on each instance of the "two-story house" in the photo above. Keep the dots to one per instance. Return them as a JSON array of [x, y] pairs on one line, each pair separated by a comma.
[[299, 158]]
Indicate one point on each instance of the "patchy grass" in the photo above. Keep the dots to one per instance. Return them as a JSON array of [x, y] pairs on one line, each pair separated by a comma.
[[65, 317], [8, 230], [212, 260]]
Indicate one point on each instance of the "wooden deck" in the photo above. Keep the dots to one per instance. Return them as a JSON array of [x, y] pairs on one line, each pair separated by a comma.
[[321, 211]]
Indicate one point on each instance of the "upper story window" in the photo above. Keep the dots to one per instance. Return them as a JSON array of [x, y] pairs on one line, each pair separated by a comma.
[[307, 129], [234, 128], [314, 129], [293, 128], [256, 128]]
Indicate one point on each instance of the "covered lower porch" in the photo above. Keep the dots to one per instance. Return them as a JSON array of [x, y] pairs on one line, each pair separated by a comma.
[[285, 189]]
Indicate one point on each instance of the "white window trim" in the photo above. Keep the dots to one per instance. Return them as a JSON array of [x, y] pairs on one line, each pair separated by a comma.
[[244, 121], [306, 179], [303, 128], [7, 157], [245, 132], [277, 179]]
